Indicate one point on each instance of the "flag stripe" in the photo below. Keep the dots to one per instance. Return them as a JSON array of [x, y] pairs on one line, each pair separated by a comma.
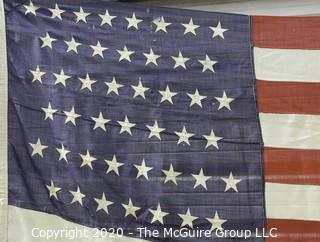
[[294, 230], [295, 131], [287, 65], [286, 32], [287, 201], [288, 97], [292, 166]]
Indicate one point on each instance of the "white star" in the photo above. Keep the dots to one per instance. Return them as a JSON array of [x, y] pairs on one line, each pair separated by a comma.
[[151, 58], [49, 112], [133, 21], [81, 15], [155, 130], [126, 126], [37, 74], [201, 179], [61, 78], [106, 18], [103, 203], [139, 90], [72, 45], [31, 9], [125, 54], [56, 12], [212, 139], [113, 165], [231, 182], [158, 214], [86, 83], [167, 95], [196, 98], [187, 219], [180, 61], [63, 153], [216, 222], [47, 41], [190, 27], [87, 159], [184, 136], [143, 170], [130, 209], [161, 24], [53, 190], [208, 64], [100, 122], [113, 86], [71, 116], [171, 175], [77, 196], [37, 148], [218, 31], [98, 49], [224, 101]]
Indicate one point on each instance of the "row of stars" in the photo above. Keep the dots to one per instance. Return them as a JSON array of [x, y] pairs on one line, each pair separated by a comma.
[[133, 22], [139, 90], [125, 53], [155, 131], [142, 169], [131, 210]]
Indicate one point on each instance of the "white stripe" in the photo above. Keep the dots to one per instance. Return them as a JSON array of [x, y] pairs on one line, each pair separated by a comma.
[[3, 129], [287, 64], [298, 202], [290, 130], [25, 225]]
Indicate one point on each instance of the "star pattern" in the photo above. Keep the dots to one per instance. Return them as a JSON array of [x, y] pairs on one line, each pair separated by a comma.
[[155, 130], [113, 86], [72, 45], [98, 49], [62, 153], [106, 18], [53, 190], [143, 169], [133, 22], [81, 15], [180, 60], [103, 203], [212, 139], [49, 111], [61, 78], [184, 136], [139, 90], [71, 116], [224, 101], [100, 122], [196, 98], [201, 179], [167, 95], [125, 54], [190, 27], [158, 214], [231, 182], [161, 24], [113, 165], [187, 219], [126, 126], [216, 222], [87, 160], [208, 64], [77, 196], [30, 9], [171, 175], [218, 31], [56, 12], [37, 148], [151, 57], [130, 209], [47, 41], [87, 83], [37, 74]]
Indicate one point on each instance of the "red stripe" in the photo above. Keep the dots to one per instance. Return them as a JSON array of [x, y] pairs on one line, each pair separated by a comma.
[[286, 32], [288, 97], [291, 166], [294, 230]]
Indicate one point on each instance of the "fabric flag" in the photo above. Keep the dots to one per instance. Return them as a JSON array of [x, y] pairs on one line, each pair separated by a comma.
[[134, 120]]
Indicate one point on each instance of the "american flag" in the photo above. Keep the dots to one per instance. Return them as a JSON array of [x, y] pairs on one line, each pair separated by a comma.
[[123, 116]]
